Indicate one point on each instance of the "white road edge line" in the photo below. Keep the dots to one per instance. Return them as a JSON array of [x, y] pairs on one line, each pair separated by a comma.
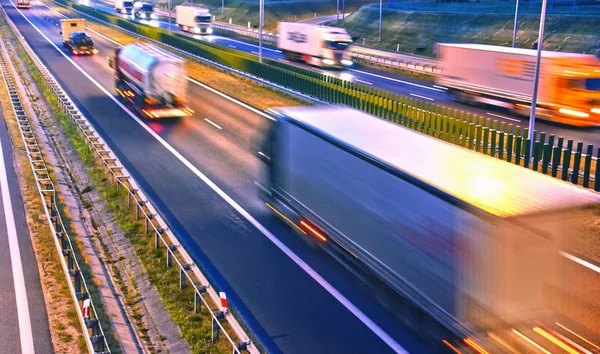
[[423, 97], [503, 117], [240, 103], [397, 80], [288, 252], [231, 46], [25, 332], [213, 123], [441, 87], [580, 261]]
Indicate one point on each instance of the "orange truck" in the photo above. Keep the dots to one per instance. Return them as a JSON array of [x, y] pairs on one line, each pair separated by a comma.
[[569, 84]]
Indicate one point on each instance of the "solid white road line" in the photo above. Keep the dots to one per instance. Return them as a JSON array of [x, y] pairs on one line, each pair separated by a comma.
[[441, 87], [423, 97], [240, 103], [503, 117], [364, 82], [586, 264], [25, 332], [397, 80], [213, 123], [288, 252], [231, 46]]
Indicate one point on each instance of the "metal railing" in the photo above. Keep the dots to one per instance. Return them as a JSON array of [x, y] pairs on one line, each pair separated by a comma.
[[189, 272], [94, 334]]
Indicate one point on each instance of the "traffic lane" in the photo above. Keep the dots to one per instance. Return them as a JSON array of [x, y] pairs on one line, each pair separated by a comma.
[[9, 323], [285, 298], [229, 166], [241, 131]]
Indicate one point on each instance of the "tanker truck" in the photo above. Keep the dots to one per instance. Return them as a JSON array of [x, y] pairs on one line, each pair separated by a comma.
[[568, 89], [152, 79], [462, 247]]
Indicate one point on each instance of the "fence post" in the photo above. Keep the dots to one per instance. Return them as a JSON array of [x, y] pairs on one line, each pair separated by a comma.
[[527, 160], [556, 150], [587, 166], [576, 165], [518, 144]]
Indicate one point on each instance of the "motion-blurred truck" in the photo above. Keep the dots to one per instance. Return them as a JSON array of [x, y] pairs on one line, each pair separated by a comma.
[[469, 243], [569, 86], [143, 10], [23, 4], [314, 44], [194, 19], [74, 37], [152, 79], [124, 7]]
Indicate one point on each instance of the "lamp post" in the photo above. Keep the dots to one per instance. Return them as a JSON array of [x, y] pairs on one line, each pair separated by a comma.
[[222, 9], [537, 74], [169, 5], [337, 12], [515, 27], [380, 18], [261, 21]]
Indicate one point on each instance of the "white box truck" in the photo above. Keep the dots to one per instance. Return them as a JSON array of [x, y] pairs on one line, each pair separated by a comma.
[[194, 19], [471, 241], [317, 45], [124, 7], [569, 86], [143, 10], [152, 79]]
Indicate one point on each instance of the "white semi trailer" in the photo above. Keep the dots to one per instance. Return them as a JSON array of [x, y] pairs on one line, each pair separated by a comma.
[[194, 19], [317, 45], [471, 241], [143, 10], [152, 79]]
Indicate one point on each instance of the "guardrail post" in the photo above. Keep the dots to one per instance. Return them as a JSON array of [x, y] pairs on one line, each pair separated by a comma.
[[518, 145], [486, 136], [215, 330], [197, 302], [77, 280], [70, 264], [493, 143], [501, 145], [181, 278], [587, 166]]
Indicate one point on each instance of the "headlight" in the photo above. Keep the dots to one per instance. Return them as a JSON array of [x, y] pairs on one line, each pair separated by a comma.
[[328, 62], [153, 16], [209, 30], [346, 62], [197, 30], [596, 110]]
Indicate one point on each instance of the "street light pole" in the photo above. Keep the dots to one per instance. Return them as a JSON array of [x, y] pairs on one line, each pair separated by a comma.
[[380, 18], [343, 9], [515, 28], [222, 9], [169, 4], [261, 21], [337, 11], [537, 73]]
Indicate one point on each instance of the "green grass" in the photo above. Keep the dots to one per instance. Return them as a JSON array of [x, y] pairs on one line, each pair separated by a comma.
[[417, 32], [85, 269]]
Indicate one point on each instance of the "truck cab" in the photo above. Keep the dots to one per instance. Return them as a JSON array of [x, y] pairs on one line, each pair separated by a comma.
[[75, 39], [124, 7], [143, 10]]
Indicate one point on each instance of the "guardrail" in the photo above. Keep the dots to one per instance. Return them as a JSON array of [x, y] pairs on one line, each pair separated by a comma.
[[164, 238], [93, 333], [478, 133]]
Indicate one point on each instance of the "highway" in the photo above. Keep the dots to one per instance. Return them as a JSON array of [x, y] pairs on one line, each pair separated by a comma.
[[392, 82], [200, 173], [24, 320]]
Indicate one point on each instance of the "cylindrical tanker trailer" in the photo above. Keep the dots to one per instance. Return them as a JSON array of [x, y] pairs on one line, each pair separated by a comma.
[[152, 79]]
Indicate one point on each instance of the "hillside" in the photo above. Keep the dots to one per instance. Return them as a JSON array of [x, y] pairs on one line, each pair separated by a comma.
[[416, 32]]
